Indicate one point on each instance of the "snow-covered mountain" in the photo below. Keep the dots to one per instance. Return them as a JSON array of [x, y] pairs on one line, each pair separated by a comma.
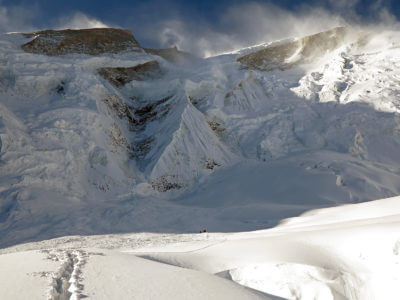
[[99, 135]]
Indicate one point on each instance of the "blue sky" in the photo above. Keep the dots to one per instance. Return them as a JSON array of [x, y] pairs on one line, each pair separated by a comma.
[[203, 26]]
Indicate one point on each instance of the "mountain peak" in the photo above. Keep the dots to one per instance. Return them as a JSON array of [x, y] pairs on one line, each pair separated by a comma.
[[285, 55], [81, 41]]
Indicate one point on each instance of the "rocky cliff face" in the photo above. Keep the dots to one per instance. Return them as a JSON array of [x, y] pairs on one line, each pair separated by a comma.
[[287, 54], [83, 41], [120, 76]]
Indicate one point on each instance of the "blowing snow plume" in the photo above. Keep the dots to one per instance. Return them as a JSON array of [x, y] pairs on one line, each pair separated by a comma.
[[285, 55], [17, 18], [79, 21], [243, 25], [253, 23], [23, 18]]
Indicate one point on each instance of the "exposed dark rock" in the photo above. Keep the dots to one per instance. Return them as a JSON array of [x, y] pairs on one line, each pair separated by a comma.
[[115, 105], [211, 164], [171, 54], [60, 88], [216, 127], [138, 116], [278, 57], [117, 139], [139, 149], [149, 111], [165, 183], [83, 41], [137, 119], [120, 76], [196, 101]]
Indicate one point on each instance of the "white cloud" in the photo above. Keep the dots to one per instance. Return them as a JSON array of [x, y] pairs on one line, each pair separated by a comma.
[[16, 18], [244, 25], [256, 22], [199, 40], [21, 19], [253, 23], [79, 21], [341, 4], [236, 27]]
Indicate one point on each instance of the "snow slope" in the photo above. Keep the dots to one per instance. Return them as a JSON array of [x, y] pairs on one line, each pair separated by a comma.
[[346, 252], [210, 143]]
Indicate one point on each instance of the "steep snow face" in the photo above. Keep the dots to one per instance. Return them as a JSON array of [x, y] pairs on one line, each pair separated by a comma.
[[169, 139], [194, 150], [204, 143]]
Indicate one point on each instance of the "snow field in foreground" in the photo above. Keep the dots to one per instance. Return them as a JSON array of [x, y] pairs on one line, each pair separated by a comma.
[[346, 252]]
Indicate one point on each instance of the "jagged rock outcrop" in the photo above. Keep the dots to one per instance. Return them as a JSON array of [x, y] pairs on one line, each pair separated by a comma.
[[120, 76], [285, 55], [82, 41], [171, 54]]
